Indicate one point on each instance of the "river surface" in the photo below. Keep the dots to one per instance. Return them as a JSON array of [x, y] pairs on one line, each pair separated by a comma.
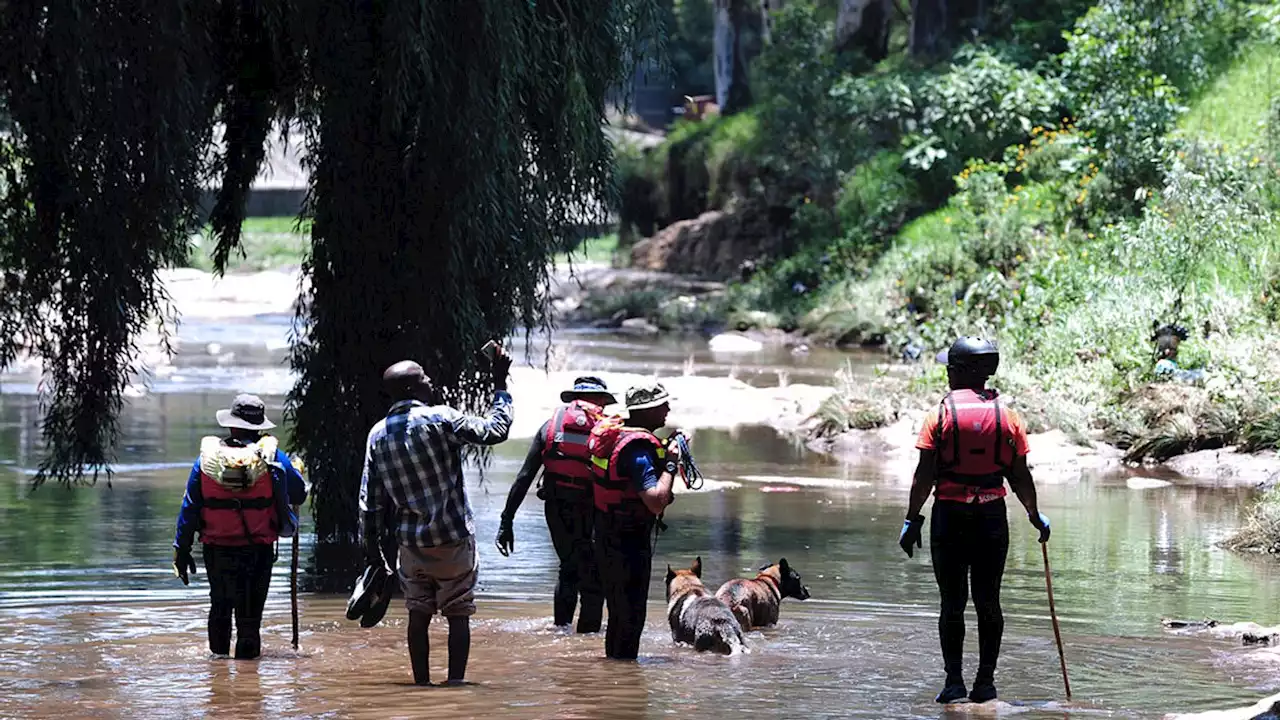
[[95, 625]]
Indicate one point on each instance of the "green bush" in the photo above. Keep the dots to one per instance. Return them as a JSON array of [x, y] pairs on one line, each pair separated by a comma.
[[976, 109], [1128, 66]]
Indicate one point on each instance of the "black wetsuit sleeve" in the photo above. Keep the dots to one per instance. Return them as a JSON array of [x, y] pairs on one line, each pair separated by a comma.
[[524, 478]]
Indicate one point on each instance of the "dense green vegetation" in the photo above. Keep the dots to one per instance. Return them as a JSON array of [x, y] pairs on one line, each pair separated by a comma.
[[1061, 197]]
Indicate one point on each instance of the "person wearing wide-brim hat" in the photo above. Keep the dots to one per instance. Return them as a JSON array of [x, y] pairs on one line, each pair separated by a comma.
[[560, 450], [240, 498]]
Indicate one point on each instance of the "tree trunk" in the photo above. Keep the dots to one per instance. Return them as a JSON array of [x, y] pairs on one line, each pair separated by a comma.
[[767, 8], [929, 36], [723, 44], [863, 26], [732, 27]]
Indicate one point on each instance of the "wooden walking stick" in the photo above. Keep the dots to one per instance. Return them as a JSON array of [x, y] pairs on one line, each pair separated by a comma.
[[293, 581], [1057, 634]]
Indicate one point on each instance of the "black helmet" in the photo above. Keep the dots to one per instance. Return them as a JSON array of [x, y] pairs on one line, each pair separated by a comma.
[[972, 354]]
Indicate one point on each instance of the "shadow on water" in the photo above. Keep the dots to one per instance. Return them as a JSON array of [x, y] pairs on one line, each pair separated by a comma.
[[95, 625]]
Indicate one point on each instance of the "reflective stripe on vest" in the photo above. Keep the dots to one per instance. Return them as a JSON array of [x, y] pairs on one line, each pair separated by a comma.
[[614, 492], [566, 457], [973, 447]]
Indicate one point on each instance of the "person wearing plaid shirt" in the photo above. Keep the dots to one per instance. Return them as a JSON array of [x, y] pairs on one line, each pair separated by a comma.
[[413, 478]]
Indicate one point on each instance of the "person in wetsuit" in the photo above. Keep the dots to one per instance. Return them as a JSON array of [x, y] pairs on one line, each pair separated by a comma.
[[969, 445], [560, 449], [634, 474], [240, 497]]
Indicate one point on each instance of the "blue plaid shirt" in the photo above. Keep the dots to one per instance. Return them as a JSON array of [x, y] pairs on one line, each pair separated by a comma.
[[414, 458]]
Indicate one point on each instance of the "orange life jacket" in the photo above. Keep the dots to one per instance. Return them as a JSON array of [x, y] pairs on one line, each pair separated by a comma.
[[239, 506], [974, 448], [614, 491], [566, 457]]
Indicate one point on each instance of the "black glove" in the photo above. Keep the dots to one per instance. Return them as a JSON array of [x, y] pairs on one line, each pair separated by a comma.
[[1040, 521], [910, 534], [506, 540], [183, 564]]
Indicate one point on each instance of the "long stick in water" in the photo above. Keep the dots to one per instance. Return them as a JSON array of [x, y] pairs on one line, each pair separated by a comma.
[[293, 583], [1057, 634]]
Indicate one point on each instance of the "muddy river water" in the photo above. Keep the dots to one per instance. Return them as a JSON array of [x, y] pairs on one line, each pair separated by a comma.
[[94, 624]]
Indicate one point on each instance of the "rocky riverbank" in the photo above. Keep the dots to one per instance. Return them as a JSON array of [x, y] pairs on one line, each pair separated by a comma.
[[710, 402]]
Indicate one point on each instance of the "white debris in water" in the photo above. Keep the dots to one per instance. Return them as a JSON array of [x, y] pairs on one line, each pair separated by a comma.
[[804, 481], [1141, 483], [734, 343]]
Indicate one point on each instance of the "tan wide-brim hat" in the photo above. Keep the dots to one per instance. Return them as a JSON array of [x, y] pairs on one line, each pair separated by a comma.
[[247, 412]]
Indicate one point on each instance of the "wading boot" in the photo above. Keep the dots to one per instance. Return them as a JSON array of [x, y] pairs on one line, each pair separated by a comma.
[[984, 688], [954, 690]]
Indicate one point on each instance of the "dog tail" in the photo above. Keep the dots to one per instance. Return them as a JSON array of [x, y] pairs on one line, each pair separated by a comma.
[[724, 638]]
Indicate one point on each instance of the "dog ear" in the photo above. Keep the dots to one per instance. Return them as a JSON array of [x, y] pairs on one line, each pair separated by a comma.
[[783, 566], [697, 566], [671, 574]]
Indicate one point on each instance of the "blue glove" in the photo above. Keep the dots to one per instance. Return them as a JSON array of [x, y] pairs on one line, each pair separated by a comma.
[[1041, 522], [910, 534]]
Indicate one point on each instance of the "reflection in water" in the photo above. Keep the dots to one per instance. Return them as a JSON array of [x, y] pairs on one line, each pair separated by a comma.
[[96, 626]]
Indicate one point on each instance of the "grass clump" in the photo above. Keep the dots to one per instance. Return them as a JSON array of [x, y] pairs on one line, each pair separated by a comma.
[[1261, 531], [268, 243]]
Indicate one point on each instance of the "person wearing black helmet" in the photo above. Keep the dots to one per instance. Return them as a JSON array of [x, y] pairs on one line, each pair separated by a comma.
[[969, 446]]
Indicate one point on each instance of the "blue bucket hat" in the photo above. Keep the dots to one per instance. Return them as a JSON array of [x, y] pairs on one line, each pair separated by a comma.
[[587, 385]]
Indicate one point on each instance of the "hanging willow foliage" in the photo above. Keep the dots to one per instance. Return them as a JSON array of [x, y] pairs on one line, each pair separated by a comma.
[[454, 147], [110, 104]]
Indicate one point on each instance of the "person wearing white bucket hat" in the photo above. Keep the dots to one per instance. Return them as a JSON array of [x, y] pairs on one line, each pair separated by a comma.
[[240, 498]]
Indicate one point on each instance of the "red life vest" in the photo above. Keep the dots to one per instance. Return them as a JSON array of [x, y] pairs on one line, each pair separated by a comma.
[[566, 457], [613, 491], [239, 504], [974, 445]]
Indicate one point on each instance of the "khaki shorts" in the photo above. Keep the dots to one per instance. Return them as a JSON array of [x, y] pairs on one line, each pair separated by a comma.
[[440, 579]]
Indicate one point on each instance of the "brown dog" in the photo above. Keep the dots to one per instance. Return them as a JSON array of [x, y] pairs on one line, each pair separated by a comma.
[[696, 616], [756, 603]]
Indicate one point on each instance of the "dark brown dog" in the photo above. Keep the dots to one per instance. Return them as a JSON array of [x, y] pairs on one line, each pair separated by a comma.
[[696, 616], [756, 603]]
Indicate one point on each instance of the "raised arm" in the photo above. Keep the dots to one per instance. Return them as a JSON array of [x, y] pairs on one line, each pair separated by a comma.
[[488, 430]]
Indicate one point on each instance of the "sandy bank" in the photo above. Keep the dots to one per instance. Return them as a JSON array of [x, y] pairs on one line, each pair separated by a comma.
[[200, 295], [697, 402], [717, 402], [1054, 458]]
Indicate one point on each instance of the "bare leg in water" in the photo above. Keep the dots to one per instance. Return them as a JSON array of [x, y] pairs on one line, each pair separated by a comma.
[[420, 649]]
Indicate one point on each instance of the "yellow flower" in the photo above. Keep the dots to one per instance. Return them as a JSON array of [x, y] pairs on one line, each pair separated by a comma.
[[1091, 236], [1017, 188], [947, 220], [1017, 258], [1084, 253]]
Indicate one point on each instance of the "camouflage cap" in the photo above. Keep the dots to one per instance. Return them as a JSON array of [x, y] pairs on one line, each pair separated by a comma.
[[647, 395]]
